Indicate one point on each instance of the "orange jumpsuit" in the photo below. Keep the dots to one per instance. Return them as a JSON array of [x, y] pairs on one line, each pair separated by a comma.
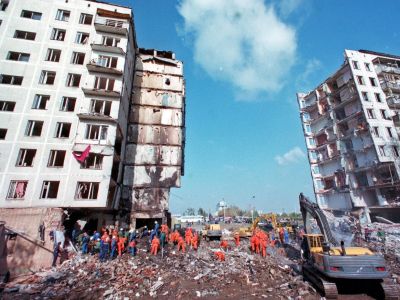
[[257, 244], [181, 244], [188, 236], [253, 243], [121, 245], [155, 244], [195, 241], [224, 244], [237, 239], [165, 229], [264, 247], [220, 255]]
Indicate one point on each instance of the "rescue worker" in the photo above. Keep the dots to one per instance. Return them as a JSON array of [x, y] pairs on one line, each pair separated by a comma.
[[286, 236], [156, 226], [155, 244], [85, 243], [195, 241], [237, 239], [121, 245], [105, 246], [264, 244], [114, 242], [163, 239], [253, 243], [132, 247], [224, 245], [188, 235], [219, 255], [257, 244], [181, 244], [56, 253]]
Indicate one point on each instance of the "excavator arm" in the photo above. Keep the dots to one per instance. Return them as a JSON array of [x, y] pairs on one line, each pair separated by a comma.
[[307, 207]]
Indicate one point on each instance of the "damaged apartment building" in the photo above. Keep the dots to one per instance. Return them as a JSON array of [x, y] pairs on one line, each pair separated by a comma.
[[91, 126], [351, 126]]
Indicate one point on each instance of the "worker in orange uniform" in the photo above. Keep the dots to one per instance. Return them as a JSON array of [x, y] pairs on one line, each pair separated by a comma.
[[181, 244], [121, 245], [188, 236], [195, 241], [224, 245], [165, 229], [155, 244], [253, 243], [237, 239], [219, 255], [264, 244], [257, 244]]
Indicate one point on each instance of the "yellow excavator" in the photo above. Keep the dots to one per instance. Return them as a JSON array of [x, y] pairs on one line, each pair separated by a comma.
[[329, 264]]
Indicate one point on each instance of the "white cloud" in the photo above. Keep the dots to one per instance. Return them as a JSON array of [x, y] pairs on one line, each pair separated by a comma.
[[240, 42], [292, 156]]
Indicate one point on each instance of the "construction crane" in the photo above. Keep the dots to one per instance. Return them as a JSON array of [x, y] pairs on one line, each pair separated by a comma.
[[328, 263]]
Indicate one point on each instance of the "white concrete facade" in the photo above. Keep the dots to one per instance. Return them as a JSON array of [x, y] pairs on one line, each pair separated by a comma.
[[350, 125], [99, 47]]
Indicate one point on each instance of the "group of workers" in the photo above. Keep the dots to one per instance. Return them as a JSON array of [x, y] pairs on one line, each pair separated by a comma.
[[111, 242]]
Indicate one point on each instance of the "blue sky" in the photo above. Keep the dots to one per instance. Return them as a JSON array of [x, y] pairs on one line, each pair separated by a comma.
[[244, 61]]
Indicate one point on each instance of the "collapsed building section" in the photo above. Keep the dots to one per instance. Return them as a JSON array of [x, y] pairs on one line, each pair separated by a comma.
[[154, 161], [351, 128]]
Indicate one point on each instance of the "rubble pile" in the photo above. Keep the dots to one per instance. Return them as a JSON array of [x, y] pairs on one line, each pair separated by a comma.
[[176, 275]]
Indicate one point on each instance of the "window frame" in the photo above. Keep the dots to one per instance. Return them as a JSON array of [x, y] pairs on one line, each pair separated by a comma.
[[93, 190], [99, 135], [22, 160], [53, 55], [37, 101], [13, 79], [10, 54], [53, 157], [60, 128], [64, 103], [13, 187], [73, 80], [63, 15], [4, 106], [83, 17], [44, 77], [30, 128], [25, 35], [33, 14], [58, 34], [46, 189]]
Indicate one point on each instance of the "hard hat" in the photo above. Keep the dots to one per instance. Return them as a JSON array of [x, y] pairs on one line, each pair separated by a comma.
[[155, 222]]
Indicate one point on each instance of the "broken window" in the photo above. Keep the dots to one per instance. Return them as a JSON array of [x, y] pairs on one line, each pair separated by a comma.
[[63, 15], [355, 65], [3, 133], [96, 132], [40, 101], [385, 114], [389, 131], [47, 77], [7, 106], [17, 189], [382, 151], [4, 4], [53, 55], [62, 130], [100, 107], [78, 58], [67, 104], [372, 81], [375, 131], [25, 35], [31, 15], [104, 83], [34, 128], [378, 97], [114, 23], [87, 190], [73, 80], [396, 151], [370, 113], [365, 96], [93, 161], [56, 158], [49, 189], [107, 61], [110, 41], [367, 67], [11, 79], [85, 19], [360, 80], [25, 157], [18, 56], [57, 34], [82, 37]]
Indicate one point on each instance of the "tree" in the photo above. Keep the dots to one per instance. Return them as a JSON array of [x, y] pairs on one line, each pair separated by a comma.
[[202, 212], [190, 212]]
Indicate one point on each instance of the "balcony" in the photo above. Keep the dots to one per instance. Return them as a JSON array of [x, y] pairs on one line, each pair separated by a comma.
[[101, 93], [100, 66], [96, 117], [393, 69], [108, 49], [351, 116], [111, 26], [388, 86], [393, 101]]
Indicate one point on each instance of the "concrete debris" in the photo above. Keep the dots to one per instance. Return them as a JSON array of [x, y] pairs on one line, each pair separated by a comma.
[[194, 274]]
